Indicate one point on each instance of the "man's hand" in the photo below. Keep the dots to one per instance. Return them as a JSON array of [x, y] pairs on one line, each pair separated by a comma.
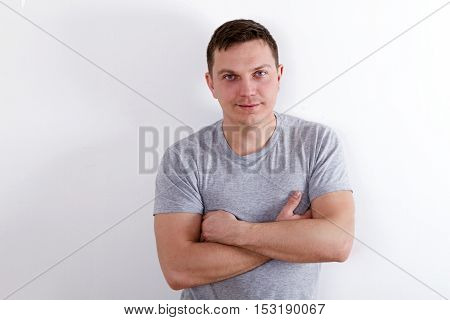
[[220, 227], [287, 213]]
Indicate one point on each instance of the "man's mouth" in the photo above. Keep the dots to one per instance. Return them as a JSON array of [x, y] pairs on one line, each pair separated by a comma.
[[248, 105]]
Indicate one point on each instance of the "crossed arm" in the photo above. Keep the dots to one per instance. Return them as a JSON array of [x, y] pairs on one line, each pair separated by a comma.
[[232, 247]]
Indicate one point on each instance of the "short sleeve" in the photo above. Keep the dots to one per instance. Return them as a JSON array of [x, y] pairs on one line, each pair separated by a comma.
[[177, 185], [329, 172]]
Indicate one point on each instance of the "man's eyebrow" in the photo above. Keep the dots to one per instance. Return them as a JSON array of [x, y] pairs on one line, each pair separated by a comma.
[[231, 71]]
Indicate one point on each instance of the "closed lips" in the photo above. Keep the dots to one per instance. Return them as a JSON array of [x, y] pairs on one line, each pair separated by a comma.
[[248, 105]]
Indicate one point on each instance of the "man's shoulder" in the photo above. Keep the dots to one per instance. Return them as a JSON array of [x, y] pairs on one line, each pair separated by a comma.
[[303, 128], [195, 142]]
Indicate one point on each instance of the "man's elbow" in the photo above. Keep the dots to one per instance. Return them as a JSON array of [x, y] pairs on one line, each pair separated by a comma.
[[175, 285], [342, 252], [175, 280]]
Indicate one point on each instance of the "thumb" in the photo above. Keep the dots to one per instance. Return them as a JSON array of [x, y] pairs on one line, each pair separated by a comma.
[[292, 202]]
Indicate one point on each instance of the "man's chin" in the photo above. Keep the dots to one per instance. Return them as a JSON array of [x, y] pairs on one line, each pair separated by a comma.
[[246, 117]]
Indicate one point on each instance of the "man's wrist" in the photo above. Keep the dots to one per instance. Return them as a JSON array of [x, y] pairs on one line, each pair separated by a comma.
[[243, 231]]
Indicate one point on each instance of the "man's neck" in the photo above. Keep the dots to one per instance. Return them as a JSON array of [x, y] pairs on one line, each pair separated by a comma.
[[245, 140]]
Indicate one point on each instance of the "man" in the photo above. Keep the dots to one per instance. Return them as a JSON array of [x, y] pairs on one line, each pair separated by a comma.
[[227, 225]]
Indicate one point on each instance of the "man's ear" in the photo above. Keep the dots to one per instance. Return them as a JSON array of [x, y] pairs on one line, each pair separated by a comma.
[[280, 71], [279, 74], [210, 83]]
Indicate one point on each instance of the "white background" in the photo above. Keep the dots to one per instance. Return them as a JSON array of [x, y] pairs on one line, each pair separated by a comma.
[[69, 138]]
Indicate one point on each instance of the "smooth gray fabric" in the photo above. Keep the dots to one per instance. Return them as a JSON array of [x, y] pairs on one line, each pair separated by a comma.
[[202, 173]]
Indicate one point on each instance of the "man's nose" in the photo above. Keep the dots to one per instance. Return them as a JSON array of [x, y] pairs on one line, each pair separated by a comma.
[[247, 87]]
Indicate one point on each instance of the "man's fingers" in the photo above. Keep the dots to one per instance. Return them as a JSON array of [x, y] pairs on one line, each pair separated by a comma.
[[205, 216], [287, 212], [293, 201]]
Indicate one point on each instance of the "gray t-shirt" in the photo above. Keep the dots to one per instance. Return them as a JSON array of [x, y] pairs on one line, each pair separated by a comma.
[[201, 173]]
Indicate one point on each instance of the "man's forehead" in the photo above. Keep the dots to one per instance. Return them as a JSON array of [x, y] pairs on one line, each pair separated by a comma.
[[247, 56]]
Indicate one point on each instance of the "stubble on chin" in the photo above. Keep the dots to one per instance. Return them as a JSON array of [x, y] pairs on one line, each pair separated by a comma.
[[251, 119]]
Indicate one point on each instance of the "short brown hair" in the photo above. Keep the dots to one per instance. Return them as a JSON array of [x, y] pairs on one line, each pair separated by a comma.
[[238, 31]]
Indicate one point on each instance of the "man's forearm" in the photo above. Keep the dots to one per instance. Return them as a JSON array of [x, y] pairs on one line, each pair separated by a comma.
[[203, 263], [309, 240]]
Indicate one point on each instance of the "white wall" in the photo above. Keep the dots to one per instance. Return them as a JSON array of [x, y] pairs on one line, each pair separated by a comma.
[[69, 135]]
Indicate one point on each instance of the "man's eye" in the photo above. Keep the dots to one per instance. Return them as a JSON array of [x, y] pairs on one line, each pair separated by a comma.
[[261, 73], [228, 76]]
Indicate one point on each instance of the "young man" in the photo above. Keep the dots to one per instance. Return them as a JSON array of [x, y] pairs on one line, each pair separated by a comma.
[[227, 225]]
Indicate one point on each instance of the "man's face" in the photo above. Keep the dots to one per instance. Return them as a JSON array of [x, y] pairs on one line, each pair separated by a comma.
[[246, 81]]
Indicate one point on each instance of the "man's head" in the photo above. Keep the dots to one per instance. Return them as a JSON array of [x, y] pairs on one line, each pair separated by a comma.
[[243, 72]]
